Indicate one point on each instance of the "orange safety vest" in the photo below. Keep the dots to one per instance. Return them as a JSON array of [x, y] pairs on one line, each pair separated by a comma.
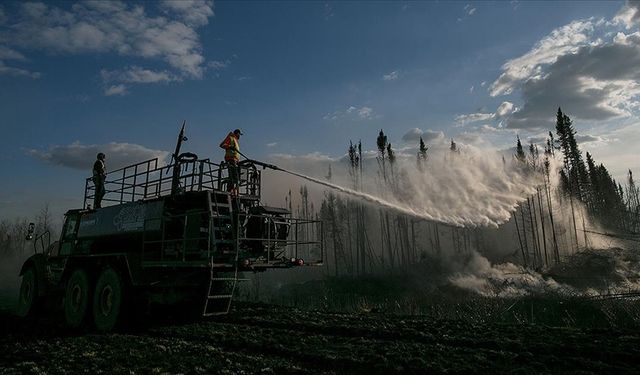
[[232, 146]]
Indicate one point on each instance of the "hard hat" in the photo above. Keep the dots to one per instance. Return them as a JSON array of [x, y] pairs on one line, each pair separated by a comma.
[[238, 131], [100, 155]]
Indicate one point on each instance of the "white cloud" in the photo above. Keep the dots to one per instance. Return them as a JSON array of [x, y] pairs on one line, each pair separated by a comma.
[[504, 111], [471, 11], [116, 90], [364, 113], [8, 70], [354, 113], [468, 12], [272, 144], [506, 108], [135, 74], [7, 53], [629, 15], [391, 76], [218, 65], [79, 156], [310, 157], [114, 27], [580, 138], [193, 12], [474, 117], [627, 39], [560, 42], [485, 128], [413, 135]]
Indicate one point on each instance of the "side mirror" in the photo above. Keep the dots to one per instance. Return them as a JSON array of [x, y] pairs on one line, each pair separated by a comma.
[[30, 230]]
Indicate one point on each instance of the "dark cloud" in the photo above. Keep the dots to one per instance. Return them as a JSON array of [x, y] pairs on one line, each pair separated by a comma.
[[596, 83], [79, 156], [586, 138], [537, 140]]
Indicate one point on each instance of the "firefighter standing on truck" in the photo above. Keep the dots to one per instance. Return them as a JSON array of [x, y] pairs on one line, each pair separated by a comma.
[[231, 145], [99, 175]]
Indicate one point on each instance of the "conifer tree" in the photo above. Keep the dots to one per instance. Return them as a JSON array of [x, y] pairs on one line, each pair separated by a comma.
[[381, 142], [354, 163], [551, 144], [422, 154], [453, 148], [519, 151], [575, 170], [633, 203]]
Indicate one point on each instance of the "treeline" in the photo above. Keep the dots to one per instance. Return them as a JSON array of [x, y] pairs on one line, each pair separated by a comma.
[[592, 184], [587, 199], [13, 235]]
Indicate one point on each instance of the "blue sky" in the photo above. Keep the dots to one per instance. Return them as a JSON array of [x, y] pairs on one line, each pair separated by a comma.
[[302, 79]]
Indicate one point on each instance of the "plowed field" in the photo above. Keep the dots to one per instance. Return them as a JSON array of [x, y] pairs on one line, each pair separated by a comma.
[[267, 339]]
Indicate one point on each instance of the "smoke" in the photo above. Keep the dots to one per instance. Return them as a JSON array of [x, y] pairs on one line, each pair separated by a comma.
[[10, 278], [595, 272], [478, 275], [589, 273]]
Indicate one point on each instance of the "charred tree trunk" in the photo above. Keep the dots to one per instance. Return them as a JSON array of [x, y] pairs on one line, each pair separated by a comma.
[[524, 257], [544, 235]]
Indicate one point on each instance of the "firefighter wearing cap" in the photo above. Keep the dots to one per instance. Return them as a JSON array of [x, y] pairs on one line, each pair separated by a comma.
[[99, 176], [231, 145]]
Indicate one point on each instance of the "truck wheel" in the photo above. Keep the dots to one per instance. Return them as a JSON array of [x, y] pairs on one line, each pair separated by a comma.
[[76, 298], [28, 297], [108, 299]]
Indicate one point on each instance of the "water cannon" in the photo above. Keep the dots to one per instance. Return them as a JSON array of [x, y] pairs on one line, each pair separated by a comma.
[[260, 163], [263, 165]]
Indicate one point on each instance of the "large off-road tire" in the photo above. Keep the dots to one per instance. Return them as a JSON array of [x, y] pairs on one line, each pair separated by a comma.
[[28, 300], [108, 300], [77, 298]]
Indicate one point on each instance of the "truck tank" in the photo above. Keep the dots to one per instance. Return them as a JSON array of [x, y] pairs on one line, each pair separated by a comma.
[[165, 235]]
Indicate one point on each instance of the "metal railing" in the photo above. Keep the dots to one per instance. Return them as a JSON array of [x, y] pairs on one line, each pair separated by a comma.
[[149, 179], [173, 245], [304, 239]]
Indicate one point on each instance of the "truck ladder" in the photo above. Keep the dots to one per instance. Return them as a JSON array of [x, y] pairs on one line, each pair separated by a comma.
[[222, 285]]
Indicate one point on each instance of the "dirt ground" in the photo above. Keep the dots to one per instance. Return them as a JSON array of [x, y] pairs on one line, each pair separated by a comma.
[[267, 339]]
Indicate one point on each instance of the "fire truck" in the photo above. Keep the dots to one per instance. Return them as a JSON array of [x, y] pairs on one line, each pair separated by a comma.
[[167, 234]]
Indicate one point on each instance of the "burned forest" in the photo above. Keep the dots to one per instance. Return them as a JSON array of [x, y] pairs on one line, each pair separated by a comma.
[[319, 187]]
